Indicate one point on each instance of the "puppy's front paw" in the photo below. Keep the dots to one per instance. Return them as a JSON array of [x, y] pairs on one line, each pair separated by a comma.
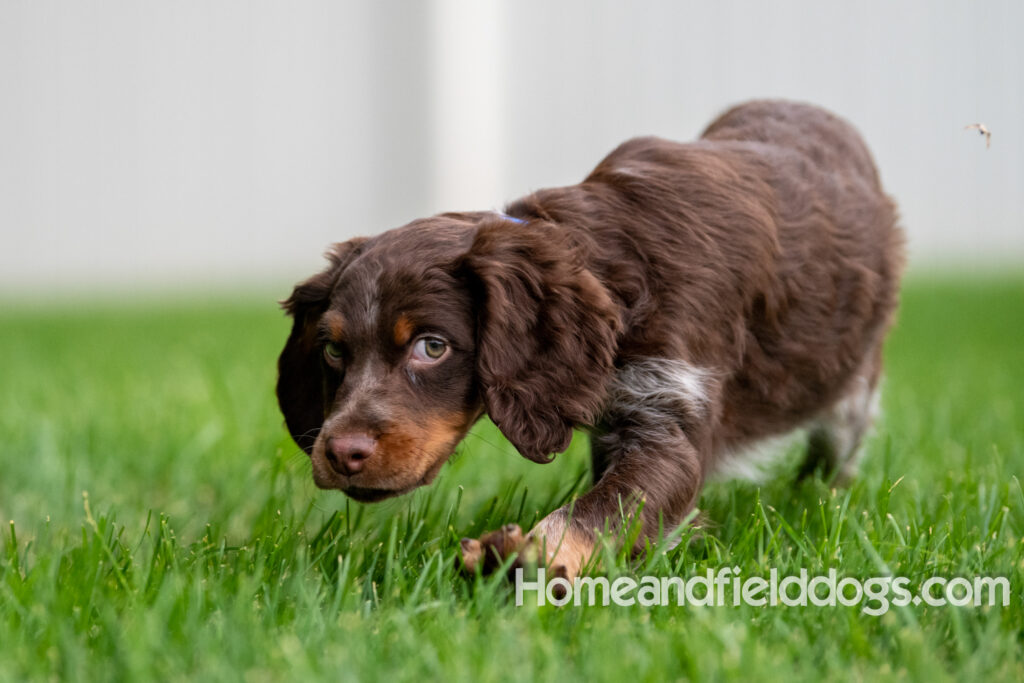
[[492, 549]]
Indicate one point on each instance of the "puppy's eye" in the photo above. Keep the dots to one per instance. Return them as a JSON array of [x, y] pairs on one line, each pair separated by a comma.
[[429, 349], [332, 350]]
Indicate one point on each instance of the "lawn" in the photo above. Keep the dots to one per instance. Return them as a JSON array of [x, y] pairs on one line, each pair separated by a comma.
[[165, 527]]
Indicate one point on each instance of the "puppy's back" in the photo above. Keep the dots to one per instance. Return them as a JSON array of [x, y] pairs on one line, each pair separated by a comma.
[[828, 141]]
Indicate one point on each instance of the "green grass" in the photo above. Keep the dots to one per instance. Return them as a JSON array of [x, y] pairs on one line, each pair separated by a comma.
[[164, 527]]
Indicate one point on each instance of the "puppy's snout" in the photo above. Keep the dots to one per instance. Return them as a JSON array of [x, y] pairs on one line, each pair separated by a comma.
[[348, 453]]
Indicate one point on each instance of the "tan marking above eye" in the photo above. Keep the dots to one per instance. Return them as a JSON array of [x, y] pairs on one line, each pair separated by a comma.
[[403, 330], [334, 322]]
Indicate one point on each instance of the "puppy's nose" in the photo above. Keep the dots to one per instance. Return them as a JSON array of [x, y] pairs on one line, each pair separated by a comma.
[[347, 453]]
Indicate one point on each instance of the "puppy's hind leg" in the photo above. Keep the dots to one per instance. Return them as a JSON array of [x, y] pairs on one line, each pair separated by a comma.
[[836, 436]]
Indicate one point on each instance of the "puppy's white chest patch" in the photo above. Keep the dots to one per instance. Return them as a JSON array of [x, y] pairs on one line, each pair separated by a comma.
[[662, 388]]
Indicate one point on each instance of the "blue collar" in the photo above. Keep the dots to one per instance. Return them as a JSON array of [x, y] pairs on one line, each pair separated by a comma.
[[510, 218]]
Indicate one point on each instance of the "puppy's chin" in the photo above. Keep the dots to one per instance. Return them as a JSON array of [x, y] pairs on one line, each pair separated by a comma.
[[371, 495], [366, 494], [363, 494]]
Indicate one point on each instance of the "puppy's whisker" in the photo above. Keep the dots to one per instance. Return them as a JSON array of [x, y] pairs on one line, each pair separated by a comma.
[[313, 431], [495, 446]]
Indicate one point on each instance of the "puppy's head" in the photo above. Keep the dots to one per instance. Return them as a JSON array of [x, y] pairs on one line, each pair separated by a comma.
[[403, 342]]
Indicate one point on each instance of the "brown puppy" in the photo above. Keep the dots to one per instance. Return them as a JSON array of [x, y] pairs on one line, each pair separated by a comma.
[[681, 303]]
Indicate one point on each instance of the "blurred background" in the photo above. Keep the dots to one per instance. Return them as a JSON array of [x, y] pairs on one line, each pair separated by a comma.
[[188, 145]]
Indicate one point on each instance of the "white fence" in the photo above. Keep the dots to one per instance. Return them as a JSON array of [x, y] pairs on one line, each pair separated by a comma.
[[168, 143]]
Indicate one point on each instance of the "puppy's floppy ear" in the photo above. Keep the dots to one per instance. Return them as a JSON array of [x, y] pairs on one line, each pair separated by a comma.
[[546, 334], [300, 380]]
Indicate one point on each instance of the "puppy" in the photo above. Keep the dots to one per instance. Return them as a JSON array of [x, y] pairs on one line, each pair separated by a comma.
[[681, 303]]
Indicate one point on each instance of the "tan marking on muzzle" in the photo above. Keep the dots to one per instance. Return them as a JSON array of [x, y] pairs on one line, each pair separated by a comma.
[[420, 448]]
